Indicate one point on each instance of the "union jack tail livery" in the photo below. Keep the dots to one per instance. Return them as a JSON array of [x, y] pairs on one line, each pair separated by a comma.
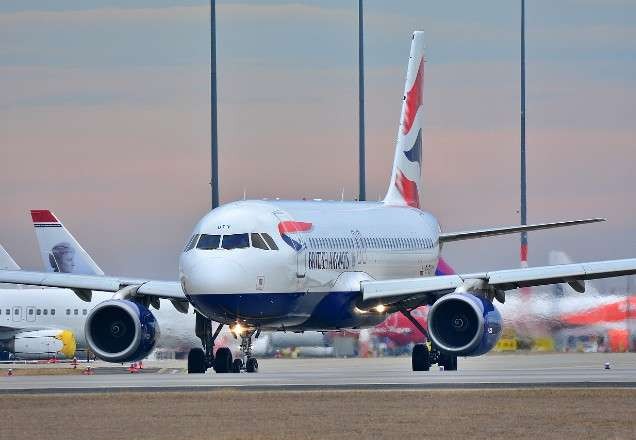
[[405, 185]]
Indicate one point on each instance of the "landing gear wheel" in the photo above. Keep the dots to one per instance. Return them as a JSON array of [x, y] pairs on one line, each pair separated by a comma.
[[421, 358], [448, 361], [237, 366], [196, 361], [223, 360], [252, 365]]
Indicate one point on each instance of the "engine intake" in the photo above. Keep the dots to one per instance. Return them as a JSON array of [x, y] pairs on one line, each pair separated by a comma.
[[464, 324], [121, 331]]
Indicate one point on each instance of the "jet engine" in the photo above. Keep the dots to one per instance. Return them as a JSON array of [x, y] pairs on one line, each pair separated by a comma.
[[121, 331], [464, 324], [40, 344]]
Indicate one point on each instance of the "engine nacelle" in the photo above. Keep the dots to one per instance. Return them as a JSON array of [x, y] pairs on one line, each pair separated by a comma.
[[41, 344], [464, 324], [121, 331]]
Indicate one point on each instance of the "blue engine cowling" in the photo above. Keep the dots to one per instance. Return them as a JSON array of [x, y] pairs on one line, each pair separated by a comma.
[[121, 331], [464, 324]]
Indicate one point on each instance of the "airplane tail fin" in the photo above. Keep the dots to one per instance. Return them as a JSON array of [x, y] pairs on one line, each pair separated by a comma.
[[406, 177], [6, 262], [59, 250]]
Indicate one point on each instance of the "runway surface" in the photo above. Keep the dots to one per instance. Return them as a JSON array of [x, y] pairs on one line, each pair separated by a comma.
[[493, 371]]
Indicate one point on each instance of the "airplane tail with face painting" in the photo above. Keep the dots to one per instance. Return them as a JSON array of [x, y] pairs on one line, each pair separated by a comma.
[[59, 250], [406, 178]]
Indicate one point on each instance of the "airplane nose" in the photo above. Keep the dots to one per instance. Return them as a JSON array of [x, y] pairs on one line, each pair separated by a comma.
[[216, 275]]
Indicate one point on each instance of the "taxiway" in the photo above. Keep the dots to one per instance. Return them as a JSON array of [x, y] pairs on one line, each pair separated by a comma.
[[493, 371]]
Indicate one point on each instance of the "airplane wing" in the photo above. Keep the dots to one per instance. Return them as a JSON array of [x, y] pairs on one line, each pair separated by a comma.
[[446, 237], [135, 287], [413, 292]]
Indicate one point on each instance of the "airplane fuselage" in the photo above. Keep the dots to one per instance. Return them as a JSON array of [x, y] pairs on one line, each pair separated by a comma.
[[50, 308], [310, 278]]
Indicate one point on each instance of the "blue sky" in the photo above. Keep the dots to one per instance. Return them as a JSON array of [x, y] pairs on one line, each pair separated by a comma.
[[117, 91]]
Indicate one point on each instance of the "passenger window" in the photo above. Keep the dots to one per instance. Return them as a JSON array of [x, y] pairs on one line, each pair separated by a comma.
[[84, 312], [258, 242], [16, 311], [270, 241], [209, 242], [46, 311], [30, 311], [75, 312], [191, 243], [7, 312], [68, 311], [52, 311], [235, 241], [38, 312]]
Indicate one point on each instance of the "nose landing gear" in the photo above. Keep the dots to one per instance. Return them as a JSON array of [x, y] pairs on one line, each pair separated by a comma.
[[251, 364]]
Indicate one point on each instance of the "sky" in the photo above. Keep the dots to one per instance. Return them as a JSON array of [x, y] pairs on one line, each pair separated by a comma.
[[104, 118]]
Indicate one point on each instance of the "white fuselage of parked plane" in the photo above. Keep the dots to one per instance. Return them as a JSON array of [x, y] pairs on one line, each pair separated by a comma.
[[50, 308], [311, 279]]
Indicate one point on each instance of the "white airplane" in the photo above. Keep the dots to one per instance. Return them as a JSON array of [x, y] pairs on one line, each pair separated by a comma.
[[28, 331], [320, 265], [50, 320]]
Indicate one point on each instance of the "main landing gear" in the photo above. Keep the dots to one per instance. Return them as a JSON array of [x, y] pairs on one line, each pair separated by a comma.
[[199, 360], [422, 357]]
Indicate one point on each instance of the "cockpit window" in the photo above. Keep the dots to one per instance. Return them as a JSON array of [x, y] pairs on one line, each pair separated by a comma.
[[191, 243], [236, 241], [209, 242], [270, 241], [258, 242]]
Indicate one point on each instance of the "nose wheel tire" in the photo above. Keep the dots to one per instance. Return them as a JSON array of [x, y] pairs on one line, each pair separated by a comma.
[[196, 361], [223, 360], [421, 358], [252, 365]]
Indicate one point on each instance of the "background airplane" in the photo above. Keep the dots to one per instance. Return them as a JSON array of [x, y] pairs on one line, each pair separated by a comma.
[[44, 323]]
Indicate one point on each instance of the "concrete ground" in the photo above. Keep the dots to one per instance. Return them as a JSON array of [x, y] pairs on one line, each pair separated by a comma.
[[511, 370]]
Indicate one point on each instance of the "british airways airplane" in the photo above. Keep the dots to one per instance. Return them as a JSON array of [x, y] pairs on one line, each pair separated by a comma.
[[319, 265]]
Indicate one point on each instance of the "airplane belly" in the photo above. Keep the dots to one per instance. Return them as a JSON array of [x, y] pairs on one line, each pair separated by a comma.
[[261, 309]]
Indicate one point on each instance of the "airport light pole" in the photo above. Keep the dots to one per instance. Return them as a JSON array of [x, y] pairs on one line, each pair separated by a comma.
[[523, 208], [361, 155], [214, 154]]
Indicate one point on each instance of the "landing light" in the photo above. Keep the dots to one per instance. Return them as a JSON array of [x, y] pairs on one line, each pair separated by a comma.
[[380, 308], [237, 329]]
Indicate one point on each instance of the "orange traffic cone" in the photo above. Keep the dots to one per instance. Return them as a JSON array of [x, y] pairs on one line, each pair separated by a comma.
[[88, 371], [10, 372]]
